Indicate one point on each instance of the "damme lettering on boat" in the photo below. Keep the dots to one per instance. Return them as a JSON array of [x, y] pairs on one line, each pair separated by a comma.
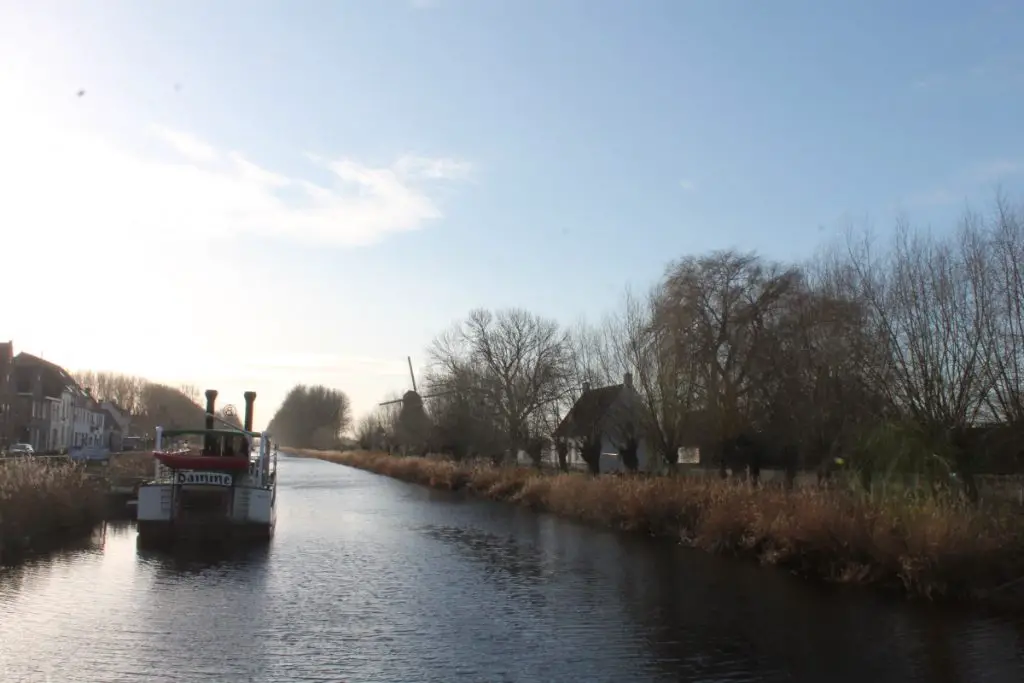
[[207, 478]]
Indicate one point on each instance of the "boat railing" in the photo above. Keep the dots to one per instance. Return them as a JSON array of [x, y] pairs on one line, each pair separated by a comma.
[[262, 470]]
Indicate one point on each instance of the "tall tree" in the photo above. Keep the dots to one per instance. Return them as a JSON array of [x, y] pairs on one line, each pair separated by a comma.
[[311, 417], [508, 366]]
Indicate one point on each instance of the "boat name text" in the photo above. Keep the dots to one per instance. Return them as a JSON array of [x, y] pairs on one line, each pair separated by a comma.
[[207, 478]]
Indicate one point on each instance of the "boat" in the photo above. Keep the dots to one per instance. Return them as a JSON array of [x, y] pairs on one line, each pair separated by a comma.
[[215, 483]]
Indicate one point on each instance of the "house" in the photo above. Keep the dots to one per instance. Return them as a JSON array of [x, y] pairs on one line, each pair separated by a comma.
[[50, 410], [609, 414], [68, 398], [35, 416], [113, 432], [6, 391], [119, 415], [89, 421]]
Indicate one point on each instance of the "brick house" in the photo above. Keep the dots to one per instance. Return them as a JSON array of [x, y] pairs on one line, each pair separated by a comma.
[[6, 392], [36, 415]]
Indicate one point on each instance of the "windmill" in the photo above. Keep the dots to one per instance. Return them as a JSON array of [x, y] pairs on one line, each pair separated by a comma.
[[412, 429]]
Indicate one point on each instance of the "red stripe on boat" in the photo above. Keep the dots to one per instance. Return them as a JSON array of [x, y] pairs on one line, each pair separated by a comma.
[[196, 461]]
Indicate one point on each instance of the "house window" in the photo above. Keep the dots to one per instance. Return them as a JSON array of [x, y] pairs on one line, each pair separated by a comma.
[[689, 455]]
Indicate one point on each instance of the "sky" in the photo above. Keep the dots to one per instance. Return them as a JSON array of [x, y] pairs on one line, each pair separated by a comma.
[[245, 194]]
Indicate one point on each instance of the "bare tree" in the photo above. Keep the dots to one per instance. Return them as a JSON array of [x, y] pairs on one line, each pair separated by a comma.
[[512, 363], [191, 391], [1004, 332], [666, 376], [368, 431], [928, 306], [124, 390]]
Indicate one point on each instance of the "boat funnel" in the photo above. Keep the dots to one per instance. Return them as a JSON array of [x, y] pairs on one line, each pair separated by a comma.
[[211, 399], [250, 398]]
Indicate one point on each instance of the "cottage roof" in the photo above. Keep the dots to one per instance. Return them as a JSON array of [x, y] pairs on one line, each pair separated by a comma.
[[588, 411]]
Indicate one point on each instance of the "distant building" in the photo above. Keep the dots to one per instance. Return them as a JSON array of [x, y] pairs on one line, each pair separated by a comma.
[[119, 415], [6, 391], [38, 387], [50, 410], [89, 421], [608, 414], [113, 434]]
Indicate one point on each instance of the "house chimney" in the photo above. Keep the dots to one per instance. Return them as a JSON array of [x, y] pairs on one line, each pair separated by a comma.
[[627, 379], [211, 399], [586, 387], [250, 398]]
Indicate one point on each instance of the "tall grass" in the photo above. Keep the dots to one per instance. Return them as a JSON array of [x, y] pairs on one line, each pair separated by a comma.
[[130, 465], [43, 503], [926, 547]]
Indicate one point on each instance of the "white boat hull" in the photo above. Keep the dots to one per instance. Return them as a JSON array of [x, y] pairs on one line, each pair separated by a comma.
[[166, 511]]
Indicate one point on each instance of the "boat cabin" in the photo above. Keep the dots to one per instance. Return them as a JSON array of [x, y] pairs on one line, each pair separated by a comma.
[[213, 443]]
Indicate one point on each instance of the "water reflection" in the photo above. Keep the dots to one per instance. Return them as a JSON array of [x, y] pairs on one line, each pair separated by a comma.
[[252, 560], [369, 579]]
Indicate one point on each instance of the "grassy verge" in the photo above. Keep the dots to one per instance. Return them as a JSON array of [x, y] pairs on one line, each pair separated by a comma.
[[923, 548], [43, 504]]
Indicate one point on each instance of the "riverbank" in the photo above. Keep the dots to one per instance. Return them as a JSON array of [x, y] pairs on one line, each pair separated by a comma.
[[921, 548], [45, 504]]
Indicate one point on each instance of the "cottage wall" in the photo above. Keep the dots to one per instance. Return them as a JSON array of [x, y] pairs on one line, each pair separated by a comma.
[[612, 462]]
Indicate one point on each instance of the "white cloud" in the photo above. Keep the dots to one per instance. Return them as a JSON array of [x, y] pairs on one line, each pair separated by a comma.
[[435, 169], [187, 145], [75, 183], [687, 185], [112, 246]]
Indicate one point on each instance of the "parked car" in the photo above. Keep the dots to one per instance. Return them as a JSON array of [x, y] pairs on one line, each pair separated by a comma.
[[20, 449]]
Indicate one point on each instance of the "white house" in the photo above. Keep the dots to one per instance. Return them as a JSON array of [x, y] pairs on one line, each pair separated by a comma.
[[610, 414], [67, 416], [87, 420]]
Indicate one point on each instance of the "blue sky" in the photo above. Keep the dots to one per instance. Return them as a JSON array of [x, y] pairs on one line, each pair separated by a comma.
[[353, 176]]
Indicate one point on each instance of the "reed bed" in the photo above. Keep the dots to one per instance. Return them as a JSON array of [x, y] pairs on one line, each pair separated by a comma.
[[924, 547], [44, 503], [130, 465]]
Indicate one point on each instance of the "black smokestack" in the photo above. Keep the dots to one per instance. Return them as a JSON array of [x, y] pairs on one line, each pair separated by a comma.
[[211, 400], [250, 398]]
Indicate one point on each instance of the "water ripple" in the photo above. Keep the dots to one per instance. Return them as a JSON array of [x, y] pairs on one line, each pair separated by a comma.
[[371, 580]]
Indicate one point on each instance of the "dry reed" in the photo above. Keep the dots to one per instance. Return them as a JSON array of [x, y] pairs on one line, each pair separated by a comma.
[[924, 548], [130, 465], [43, 503]]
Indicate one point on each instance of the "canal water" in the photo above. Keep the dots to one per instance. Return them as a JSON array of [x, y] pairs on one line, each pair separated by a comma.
[[372, 580]]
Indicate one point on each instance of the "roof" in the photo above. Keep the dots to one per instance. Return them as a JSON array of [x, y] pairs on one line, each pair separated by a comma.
[[588, 411], [56, 377], [110, 421], [112, 404]]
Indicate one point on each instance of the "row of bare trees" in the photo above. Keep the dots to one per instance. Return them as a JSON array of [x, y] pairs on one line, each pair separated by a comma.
[[894, 354], [149, 403]]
